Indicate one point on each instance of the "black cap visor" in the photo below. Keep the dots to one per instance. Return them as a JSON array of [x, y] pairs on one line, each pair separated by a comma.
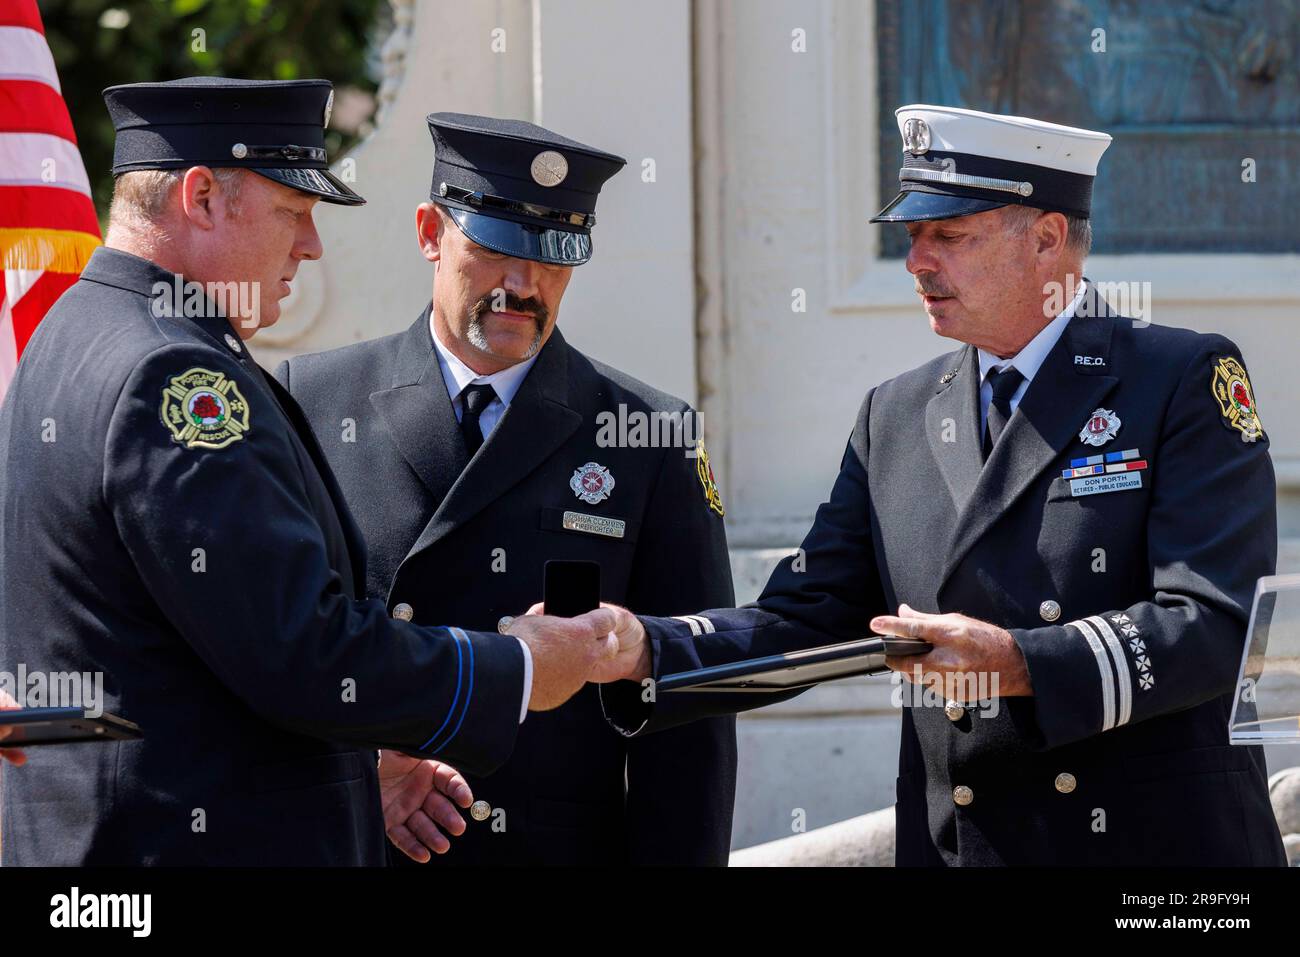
[[318, 182], [556, 247], [914, 205]]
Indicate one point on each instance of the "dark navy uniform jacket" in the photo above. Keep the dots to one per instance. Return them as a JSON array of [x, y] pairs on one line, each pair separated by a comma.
[[467, 541], [208, 568], [1132, 683]]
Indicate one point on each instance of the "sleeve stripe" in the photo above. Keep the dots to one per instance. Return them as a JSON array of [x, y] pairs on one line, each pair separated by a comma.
[[704, 623], [1107, 676], [695, 625], [455, 698], [469, 689], [1122, 678]]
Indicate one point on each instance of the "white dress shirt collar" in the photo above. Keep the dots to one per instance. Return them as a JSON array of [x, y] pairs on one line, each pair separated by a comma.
[[1028, 360]]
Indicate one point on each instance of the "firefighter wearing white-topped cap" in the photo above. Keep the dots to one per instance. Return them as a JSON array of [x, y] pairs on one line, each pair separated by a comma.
[[1071, 507]]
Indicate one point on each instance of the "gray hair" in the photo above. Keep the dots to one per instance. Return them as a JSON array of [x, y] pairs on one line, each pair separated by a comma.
[[1078, 230], [140, 196]]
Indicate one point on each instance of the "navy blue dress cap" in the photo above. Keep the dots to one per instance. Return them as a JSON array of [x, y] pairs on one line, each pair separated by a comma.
[[517, 188], [276, 128]]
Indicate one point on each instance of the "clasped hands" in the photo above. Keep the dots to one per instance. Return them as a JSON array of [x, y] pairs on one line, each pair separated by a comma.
[[609, 644], [421, 797], [617, 648]]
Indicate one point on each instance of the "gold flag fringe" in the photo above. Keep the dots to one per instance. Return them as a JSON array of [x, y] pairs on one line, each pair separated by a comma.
[[53, 250]]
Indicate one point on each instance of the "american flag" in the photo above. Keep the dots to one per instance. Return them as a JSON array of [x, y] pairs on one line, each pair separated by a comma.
[[48, 227]]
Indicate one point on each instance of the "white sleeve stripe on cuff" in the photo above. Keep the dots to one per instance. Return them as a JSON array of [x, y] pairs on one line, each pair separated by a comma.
[[704, 623], [1107, 676], [695, 625], [1122, 679], [528, 679]]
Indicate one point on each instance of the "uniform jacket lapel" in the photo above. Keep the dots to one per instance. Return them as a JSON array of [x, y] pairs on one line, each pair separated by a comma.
[[1046, 421], [419, 415], [539, 420], [949, 415]]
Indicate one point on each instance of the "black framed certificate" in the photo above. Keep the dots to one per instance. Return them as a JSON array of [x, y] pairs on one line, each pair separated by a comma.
[[795, 669], [38, 726]]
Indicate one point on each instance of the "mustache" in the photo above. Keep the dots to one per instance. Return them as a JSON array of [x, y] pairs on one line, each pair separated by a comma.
[[532, 306], [931, 288]]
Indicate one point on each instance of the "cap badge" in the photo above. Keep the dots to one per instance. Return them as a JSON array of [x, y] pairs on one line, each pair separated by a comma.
[[916, 136], [549, 168], [592, 483], [1100, 428], [329, 108], [239, 151]]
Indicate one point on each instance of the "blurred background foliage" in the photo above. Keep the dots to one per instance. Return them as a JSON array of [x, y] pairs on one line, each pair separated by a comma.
[[100, 43]]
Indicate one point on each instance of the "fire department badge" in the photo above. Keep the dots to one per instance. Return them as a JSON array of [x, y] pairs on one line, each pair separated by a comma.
[[1236, 401], [204, 410], [549, 168], [592, 483], [704, 470], [1100, 427], [916, 136]]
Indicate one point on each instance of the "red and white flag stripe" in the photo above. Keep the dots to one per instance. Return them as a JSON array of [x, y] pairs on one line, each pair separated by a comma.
[[27, 55], [48, 226]]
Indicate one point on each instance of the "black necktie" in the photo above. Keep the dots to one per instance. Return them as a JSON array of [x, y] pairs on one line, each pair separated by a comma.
[[1004, 385], [475, 399]]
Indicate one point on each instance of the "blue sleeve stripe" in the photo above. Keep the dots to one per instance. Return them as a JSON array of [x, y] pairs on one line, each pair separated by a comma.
[[456, 697], [469, 691]]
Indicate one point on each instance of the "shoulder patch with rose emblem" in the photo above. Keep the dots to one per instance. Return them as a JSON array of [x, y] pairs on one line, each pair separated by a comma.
[[204, 410]]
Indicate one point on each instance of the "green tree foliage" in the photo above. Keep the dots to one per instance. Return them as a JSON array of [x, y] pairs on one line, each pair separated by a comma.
[[100, 43]]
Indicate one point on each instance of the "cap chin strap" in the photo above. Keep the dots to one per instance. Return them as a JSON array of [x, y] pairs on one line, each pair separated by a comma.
[[488, 202], [288, 152], [964, 179]]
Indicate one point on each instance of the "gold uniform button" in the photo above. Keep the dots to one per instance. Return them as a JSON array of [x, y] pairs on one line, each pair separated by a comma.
[[403, 612], [1049, 610], [955, 710], [480, 810], [1065, 782], [504, 622], [962, 795]]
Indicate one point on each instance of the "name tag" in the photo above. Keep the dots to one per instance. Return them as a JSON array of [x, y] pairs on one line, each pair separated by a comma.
[[594, 524], [1096, 484]]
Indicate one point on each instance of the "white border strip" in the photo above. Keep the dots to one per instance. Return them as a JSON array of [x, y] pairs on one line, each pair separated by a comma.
[[1107, 676], [1123, 680]]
